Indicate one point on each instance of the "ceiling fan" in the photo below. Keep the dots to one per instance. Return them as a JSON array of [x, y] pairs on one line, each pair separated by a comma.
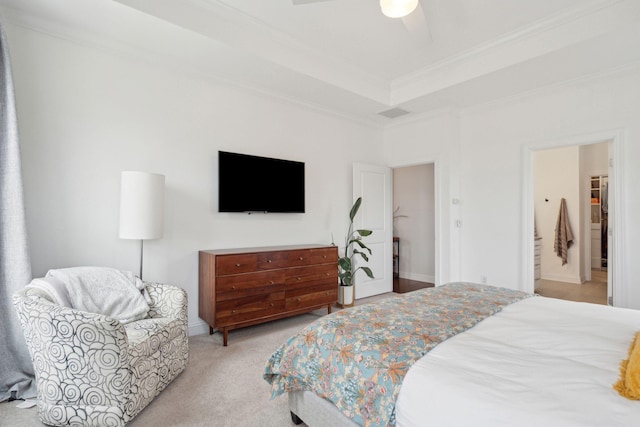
[[410, 11]]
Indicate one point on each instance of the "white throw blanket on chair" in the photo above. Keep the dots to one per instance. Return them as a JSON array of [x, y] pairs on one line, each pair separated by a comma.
[[115, 293]]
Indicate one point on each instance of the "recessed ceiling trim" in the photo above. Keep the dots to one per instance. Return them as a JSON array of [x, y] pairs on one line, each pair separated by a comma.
[[536, 28], [535, 40], [224, 23]]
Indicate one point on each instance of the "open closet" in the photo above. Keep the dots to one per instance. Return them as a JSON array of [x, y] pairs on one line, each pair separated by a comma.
[[599, 212]]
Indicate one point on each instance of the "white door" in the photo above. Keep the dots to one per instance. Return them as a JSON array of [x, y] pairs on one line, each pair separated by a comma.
[[374, 184]]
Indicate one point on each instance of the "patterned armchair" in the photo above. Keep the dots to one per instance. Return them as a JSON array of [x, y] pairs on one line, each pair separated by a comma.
[[93, 370]]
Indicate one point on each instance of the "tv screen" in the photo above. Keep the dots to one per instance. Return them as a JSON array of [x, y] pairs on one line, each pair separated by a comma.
[[259, 184]]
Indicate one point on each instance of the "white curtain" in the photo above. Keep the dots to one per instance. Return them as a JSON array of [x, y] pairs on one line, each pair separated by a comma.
[[16, 370]]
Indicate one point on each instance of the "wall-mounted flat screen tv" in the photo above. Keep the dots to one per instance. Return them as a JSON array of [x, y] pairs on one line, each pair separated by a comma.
[[259, 184]]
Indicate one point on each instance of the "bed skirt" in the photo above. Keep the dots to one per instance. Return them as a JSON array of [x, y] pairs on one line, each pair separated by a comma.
[[316, 411]]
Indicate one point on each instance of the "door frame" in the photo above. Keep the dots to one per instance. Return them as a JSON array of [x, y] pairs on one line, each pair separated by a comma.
[[616, 173], [444, 246], [436, 229]]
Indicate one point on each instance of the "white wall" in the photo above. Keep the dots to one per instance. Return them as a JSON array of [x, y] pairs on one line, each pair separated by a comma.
[[86, 114], [557, 176], [413, 194], [488, 173], [595, 159], [433, 139]]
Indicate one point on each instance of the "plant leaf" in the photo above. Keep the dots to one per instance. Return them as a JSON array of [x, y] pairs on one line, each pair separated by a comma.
[[354, 208], [362, 245], [362, 254], [368, 271], [364, 232], [346, 278], [345, 263]]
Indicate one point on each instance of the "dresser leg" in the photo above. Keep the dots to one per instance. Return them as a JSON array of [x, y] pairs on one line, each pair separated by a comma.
[[210, 330], [225, 335], [329, 309]]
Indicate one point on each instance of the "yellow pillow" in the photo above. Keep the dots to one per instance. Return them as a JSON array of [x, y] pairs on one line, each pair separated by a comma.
[[629, 383]]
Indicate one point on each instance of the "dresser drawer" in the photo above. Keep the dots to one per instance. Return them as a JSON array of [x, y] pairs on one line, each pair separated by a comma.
[[246, 281], [312, 256], [248, 292], [248, 308], [324, 255], [271, 260], [318, 295], [235, 264], [311, 276]]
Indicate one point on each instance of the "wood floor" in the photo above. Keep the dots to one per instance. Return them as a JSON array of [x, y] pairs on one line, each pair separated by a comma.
[[401, 285], [594, 291]]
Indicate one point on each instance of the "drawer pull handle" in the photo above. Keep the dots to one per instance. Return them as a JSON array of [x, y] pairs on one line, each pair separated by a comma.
[[298, 299], [269, 261], [300, 258], [324, 256], [326, 293], [271, 282], [299, 278], [238, 265], [233, 311], [233, 287], [271, 304], [327, 274]]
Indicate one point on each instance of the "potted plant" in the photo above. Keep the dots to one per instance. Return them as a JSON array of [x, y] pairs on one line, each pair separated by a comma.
[[353, 248]]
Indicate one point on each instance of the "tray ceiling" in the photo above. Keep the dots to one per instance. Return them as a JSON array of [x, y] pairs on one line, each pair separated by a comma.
[[345, 57]]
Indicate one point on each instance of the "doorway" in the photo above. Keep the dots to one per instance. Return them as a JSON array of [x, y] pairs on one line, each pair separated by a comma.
[[414, 231], [577, 177]]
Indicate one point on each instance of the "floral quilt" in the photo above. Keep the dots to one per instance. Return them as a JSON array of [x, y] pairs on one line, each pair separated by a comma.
[[357, 358]]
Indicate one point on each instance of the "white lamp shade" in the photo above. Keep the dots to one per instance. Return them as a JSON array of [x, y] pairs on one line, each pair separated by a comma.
[[141, 205], [398, 8]]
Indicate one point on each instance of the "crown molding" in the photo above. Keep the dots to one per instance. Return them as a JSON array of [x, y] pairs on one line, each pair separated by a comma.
[[544, 36], [130, 52], [222, 22], [553, 88]]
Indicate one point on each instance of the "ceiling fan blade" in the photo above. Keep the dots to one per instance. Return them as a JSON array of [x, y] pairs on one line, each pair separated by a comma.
[[299, 2], [417, 26]]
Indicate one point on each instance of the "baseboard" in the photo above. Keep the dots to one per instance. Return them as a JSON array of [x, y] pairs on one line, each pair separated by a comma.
[[561, 278], [198, 328], [418, 277]]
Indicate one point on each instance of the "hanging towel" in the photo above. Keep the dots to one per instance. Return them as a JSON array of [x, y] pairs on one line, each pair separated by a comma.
[[564, 236]]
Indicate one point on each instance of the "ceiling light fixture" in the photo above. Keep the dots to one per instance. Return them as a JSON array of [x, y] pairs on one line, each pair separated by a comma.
[[398, 8]]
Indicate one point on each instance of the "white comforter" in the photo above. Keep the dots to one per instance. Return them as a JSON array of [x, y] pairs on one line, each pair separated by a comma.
[[539, 362]]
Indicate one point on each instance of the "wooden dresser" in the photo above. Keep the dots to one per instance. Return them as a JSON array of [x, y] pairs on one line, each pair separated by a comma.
[[242, 287]]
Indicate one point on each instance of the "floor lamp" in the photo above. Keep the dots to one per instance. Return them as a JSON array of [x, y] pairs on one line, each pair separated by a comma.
[[141, 207]]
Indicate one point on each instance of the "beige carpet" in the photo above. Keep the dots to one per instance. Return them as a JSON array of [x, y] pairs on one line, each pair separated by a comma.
[[222, 386]]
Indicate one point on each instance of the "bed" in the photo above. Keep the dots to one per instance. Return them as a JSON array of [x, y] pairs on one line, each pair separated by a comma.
[[460, 354]]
